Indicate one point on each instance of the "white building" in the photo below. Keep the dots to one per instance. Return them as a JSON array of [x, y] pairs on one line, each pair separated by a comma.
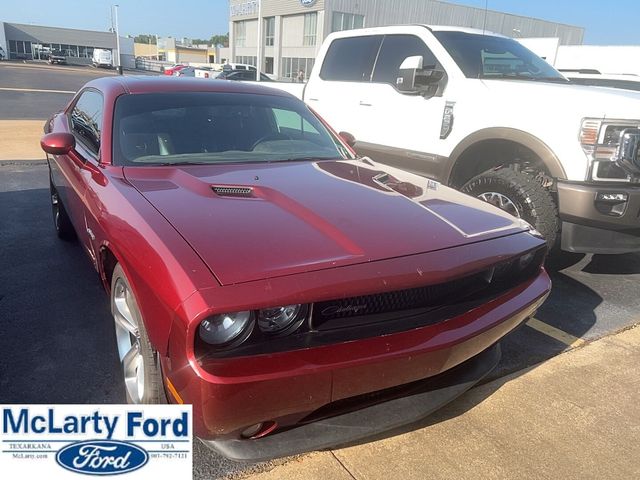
[[293, 30]]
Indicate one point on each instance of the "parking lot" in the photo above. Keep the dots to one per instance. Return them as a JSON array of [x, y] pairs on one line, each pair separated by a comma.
[[57, 340]]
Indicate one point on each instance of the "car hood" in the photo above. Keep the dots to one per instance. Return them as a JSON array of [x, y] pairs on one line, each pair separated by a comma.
[[583, 101], [278, 219]]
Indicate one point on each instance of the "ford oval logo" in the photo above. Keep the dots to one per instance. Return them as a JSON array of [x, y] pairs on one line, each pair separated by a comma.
[[102, 457]]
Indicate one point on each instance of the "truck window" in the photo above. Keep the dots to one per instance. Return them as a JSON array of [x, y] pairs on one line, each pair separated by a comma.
[[350, 59], [395, 49]]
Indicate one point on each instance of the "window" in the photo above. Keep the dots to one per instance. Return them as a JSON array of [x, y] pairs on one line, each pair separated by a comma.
[[346, 21], [487, 56], [213, 128], [86, 119], [350, 59], [291, 122], [240, 33], [247, 60], [270, 31], [268, 65], [394, 50], [13, 48], [293, 67], [310, 28]]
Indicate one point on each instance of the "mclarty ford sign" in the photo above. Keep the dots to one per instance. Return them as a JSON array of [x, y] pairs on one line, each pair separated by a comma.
[[146, 441]]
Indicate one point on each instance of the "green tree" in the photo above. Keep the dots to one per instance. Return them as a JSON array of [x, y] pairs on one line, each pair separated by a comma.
[[220, 39], [145, 38]]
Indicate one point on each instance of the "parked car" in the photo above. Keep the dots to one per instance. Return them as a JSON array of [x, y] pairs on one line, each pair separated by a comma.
[[596, 79], [243, 75], [248, 252], [102, 58], [57, 56], [238, 66], [482, 113], [172, 70], [185, 72]]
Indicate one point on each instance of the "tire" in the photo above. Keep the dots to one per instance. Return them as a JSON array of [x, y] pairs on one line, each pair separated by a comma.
[[530, 200], [134, 348], [61, 221]]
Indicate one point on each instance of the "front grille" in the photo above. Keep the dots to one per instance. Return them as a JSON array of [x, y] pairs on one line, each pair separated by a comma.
[[399, 300]]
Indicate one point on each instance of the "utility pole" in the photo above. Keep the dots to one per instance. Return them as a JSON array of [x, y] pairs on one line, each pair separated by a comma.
[[259, 62], [115, 8]]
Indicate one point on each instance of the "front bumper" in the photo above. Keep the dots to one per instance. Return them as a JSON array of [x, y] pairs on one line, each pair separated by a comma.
[[593, 223], [297, 388]]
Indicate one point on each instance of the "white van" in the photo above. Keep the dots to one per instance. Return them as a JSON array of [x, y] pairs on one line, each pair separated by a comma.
[[102, 57]]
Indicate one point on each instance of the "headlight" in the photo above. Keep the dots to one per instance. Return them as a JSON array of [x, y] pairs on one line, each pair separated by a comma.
[[599, 141], [225, 328], [515, 268], [280, 319]]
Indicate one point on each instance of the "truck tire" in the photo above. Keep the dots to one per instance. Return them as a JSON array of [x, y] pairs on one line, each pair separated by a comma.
[[140, 364], [521, 195]]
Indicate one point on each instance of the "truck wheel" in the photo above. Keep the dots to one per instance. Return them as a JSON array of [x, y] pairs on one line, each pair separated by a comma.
[[140, 365], [61, 221], [519, 194]]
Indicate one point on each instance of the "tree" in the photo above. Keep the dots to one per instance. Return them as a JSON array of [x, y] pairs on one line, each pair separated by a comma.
[[220, 39], [145, 38]]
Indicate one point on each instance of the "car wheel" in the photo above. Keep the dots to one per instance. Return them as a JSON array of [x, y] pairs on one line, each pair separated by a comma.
[[61, 221], [140, 364], [521, 195]]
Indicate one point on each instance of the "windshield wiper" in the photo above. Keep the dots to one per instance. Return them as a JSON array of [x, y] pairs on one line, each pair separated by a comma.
[[305, 159]]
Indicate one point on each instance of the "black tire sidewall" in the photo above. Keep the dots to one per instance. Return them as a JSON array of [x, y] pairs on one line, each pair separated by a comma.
[[535, 204]]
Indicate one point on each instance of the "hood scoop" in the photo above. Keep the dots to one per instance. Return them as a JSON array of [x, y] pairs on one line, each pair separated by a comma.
[[232, 191]]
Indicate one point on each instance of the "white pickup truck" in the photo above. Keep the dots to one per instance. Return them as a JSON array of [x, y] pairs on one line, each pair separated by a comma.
[[482, 113]]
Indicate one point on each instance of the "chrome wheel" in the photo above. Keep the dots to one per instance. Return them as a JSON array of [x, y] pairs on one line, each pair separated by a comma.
[[126, 317], [501, 201], [55, 209]]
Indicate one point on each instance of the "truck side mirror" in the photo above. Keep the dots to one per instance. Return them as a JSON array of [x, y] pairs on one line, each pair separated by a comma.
[[628, 156], [413, 77]]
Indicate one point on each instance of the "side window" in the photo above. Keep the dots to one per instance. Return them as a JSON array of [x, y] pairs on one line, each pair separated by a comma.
[[394, 50], [350, 59], [86, 120]]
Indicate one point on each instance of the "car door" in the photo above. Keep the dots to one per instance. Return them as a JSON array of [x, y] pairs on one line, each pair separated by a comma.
[[334, 91], [85, 123], [400, 128]]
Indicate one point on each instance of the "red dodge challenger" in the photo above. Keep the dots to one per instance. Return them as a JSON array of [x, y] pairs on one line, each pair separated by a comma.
[[299, 297]]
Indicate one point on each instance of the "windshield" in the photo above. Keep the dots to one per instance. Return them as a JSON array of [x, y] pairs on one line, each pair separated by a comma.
[[488, 56], [211, 127]]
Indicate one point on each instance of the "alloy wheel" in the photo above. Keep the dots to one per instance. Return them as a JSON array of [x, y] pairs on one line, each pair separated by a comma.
[[126, 317], [501, 201]]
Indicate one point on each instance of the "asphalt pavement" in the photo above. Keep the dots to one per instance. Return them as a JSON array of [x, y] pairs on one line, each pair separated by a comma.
[[57, 343]]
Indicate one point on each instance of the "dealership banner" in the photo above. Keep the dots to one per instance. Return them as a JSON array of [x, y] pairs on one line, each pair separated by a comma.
[[61, 441]]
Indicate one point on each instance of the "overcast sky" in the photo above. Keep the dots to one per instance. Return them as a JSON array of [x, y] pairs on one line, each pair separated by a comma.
[[606, 22]]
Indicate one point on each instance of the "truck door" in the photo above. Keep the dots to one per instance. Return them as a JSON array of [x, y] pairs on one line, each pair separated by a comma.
[[397, 128], [334, 91]]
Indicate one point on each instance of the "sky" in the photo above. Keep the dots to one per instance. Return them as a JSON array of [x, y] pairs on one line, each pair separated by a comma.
[[613, 22]]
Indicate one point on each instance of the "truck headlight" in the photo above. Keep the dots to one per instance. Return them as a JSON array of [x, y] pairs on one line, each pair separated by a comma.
[[225, 328], [281, 319], [599, 140]]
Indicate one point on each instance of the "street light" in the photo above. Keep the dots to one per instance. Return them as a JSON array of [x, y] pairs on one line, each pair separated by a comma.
[[115, 8], [259, 62]]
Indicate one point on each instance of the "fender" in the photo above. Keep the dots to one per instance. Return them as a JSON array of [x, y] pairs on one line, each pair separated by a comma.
[[525, 139]]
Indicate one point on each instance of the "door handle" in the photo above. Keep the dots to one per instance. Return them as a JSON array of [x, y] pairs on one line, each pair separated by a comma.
[[365, 104]]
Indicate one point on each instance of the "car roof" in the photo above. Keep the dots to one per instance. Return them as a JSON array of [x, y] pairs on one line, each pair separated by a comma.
[[136, 84], [396, 28]]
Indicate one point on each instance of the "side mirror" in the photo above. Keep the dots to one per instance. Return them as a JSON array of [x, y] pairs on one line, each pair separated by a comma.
[[413, 77], [628, 155], [347, 138], [58, 143]]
